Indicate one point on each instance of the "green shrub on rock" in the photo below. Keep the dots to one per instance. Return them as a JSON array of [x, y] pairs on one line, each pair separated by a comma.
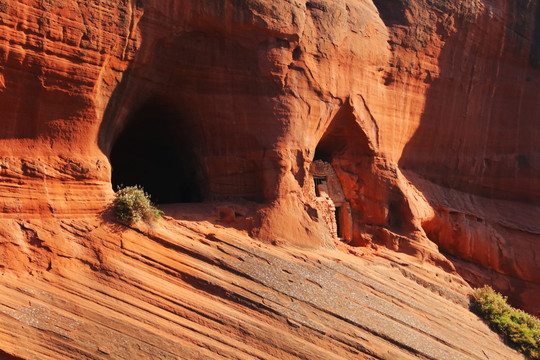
[[133, 204], [522, 330]]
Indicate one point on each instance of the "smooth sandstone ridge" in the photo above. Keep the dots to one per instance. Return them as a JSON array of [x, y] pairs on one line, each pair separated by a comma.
[[427, 111]]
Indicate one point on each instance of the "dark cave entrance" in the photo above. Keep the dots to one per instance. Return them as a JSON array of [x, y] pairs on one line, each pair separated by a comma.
[[343, 139], [318, 180], [339, 158], [339, 222], [156, 150]]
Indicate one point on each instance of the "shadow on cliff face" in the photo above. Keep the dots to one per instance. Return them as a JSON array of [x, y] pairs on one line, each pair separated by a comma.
[[478, 134], [534, 57]]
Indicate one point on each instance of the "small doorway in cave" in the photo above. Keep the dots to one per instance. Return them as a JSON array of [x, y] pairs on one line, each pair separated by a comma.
[[156, 150], [339, 222], [318, 180]]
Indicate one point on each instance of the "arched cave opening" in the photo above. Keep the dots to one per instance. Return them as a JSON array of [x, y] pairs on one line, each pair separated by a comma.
[[340, 149], [156, 150], [343, 139], [369, 197]]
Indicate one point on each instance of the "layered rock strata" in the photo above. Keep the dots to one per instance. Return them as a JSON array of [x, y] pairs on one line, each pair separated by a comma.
[[196, 290], [427, 111]]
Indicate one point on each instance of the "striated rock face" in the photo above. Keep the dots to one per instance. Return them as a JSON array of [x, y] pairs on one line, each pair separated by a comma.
[[194, 290], [427, 111], [473, 155]]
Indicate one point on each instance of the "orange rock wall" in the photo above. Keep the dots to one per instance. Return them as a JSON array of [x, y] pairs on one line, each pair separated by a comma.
[[428, 109]]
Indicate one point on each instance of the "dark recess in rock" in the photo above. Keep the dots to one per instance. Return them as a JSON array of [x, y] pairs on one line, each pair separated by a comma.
[[155, 150]]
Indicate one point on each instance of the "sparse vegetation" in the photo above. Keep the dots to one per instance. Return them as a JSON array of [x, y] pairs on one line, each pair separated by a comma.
[[133, 204], [522, 330]]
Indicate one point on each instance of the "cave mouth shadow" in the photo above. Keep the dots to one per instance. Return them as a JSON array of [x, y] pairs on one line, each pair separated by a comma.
[[156, 150], [343, 139]]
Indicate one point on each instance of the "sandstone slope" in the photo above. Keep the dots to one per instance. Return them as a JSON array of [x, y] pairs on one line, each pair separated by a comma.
[[197, 290]]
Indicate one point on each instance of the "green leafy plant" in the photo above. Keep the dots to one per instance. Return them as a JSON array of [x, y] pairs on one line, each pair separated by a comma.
[[522, 330], [133, 204]]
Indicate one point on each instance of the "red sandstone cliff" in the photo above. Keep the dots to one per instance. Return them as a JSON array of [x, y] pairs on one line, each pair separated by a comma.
[[426, 110]]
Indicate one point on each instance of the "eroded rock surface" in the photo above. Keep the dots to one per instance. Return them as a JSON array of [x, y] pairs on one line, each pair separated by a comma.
[[195, 290], [426, 110]]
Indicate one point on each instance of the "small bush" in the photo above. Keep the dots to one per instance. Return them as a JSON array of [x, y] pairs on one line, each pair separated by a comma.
[[133, 204], [521, 329]]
